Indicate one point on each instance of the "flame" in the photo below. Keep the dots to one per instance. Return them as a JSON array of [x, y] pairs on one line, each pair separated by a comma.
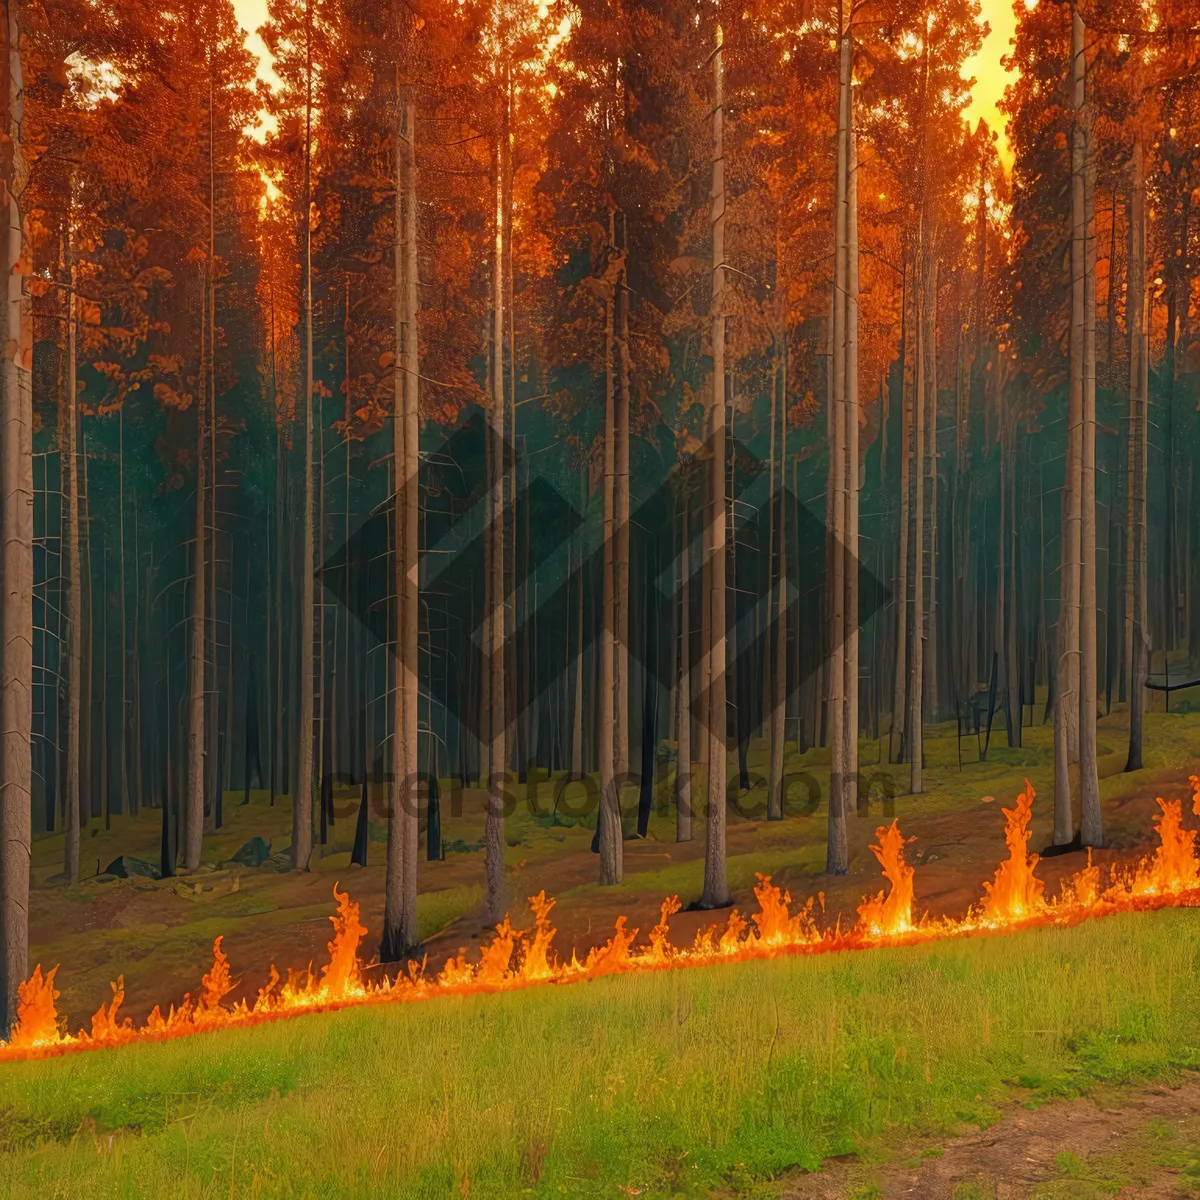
[[893, 915], [37, 1017], [514, 958], [1016, 893], [1173, 868], [537, 966]]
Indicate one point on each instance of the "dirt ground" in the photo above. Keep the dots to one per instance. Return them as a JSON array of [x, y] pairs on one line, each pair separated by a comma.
[[158, 934], [1140, 1145]]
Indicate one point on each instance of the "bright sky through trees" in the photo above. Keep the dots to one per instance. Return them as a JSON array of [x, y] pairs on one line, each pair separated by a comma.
[[986, 67], [989, 73]]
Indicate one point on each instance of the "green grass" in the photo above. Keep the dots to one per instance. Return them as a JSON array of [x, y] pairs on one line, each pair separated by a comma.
[[674, 1083]]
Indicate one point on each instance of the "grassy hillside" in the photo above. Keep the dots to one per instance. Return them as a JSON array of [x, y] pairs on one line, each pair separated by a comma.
[[661, 1085]]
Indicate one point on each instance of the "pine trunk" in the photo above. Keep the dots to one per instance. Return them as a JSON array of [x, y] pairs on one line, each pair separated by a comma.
[[836, 854], [74, 586], [1136, 595], [716, 892], [850, 425], [16, 518], [497, 898], [1091, 823], [193, 816], [400, 905], [683, 698], [1067, 706], [302, 785], [900, 676]]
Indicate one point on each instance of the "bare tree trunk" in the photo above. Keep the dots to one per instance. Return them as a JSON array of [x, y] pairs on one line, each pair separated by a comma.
[[683, 702], [16, 519], [778, 671], [716, 892], [609, 816], [916, 666], [1067, 703], [900, 679], [212, 692], [70, 453], [1136, 596], [302, 786], [400, 915], [128, 801], [577, 713], [836, 853], [932, 703], [193, 817], [621, 517], [497, 897], [849, 545], [1013, 670], [1091, 822]]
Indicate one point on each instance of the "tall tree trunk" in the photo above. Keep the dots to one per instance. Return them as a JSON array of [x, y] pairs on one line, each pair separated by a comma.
[[302, 785], [836, 853], [577, 704], [74, 588], [778, 625], [683, 700], [1091, 822], [400, 916], [850, 425], [932, 700], [621, 511], [900, 677], [1136, 592], [128, 800], [1012, 670], [716, 892], [16, 520], [193, 816], [1067, 704], [609, 833], [498, 725], [916, 664]]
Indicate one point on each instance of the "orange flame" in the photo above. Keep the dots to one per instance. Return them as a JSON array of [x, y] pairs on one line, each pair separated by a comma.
[[37, 1017], [513, 959], [890, 916], [1173, 868], [1016, 893]]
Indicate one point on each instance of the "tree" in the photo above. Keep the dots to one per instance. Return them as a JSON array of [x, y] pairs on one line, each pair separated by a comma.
[[16, 524]]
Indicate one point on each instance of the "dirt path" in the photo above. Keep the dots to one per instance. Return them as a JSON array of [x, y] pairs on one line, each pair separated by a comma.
[[1144, 1145]]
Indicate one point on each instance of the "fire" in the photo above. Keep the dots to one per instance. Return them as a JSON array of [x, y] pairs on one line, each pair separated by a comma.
[[1016, 893], [515, 958], [1174, 868], [887, 917], [37, 1019]]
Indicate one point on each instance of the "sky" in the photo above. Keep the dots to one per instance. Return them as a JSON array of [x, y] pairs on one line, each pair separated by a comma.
[[985, 66], [989, 75]]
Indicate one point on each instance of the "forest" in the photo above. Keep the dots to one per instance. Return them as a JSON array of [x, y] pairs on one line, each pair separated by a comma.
[[514, 392]]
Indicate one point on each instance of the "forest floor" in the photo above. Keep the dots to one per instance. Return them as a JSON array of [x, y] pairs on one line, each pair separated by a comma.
[[158, 934]]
